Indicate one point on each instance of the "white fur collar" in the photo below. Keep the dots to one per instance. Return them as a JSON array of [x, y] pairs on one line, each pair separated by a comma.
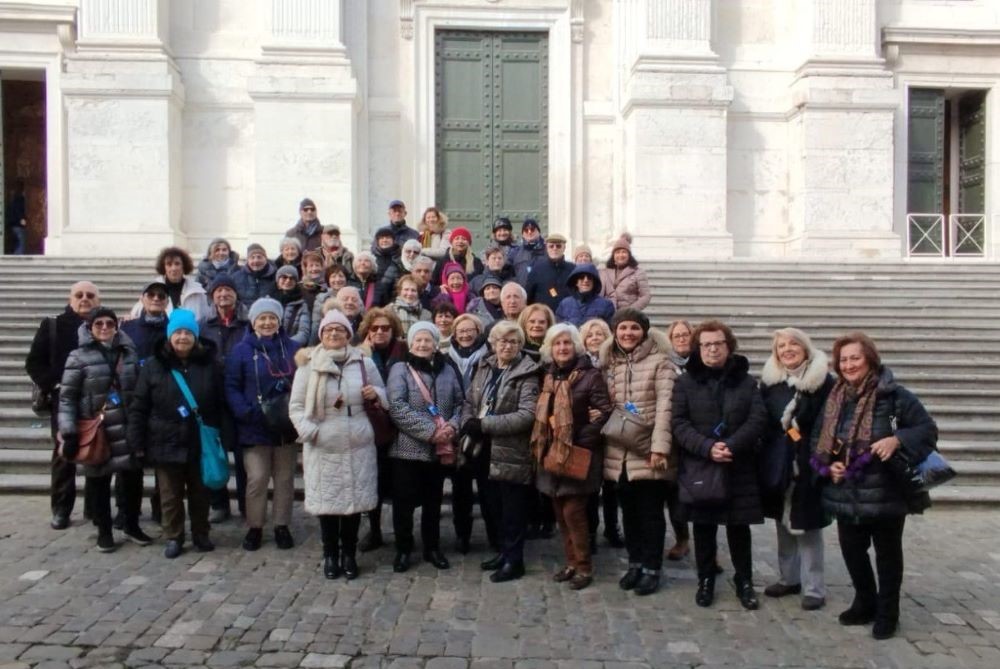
[[811, 381]]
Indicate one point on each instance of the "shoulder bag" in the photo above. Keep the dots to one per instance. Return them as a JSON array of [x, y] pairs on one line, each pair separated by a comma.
[[41, 400], [275, 410], [626, 429], [572, 463], [378, 415], [94, 447], [703, 482], [214, 463]]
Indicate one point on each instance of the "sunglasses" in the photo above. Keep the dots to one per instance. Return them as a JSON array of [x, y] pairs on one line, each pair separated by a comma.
[[156, 296], [80, 296], [105, 324], [381, 328], [308, 208]]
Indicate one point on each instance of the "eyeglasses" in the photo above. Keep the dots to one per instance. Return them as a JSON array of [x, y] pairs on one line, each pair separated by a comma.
[[331, 330], [712, 344], [156, 296], [308, 208], [80, 296], [105, 324], [506, 342], [467, 331], [286, 278], [381, 328], [686, 335]]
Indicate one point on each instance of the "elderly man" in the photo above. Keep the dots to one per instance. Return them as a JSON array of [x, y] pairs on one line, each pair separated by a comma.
[[531, 247], [307, 230], [548, 276], [351, 305], [513, 300], [54, 340], [333, 249], [401, 232], [421, 270]]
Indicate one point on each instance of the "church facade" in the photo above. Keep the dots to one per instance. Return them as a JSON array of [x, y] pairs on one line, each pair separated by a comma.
[[800, 129]]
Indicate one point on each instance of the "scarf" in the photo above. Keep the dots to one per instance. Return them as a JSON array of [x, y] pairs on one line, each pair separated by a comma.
[[413, 308], [855, 451], [553, 429], [286, 296], [323, 363], [153, 320], [679, 361], [458, 298]]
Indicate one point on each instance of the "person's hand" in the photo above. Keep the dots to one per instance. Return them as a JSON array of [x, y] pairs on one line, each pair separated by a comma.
[[368, 393], [474, 428], [594, 414], [884, 448], [721, 453], [837, 471], [70, 446], [125, 318], [657, 461]]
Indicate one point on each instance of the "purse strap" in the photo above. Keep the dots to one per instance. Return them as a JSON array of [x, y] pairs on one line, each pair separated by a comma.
[[421, 385], [186, 391]]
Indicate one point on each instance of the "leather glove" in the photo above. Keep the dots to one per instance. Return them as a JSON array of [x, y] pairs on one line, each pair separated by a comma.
[[70, 446], [474, 428]]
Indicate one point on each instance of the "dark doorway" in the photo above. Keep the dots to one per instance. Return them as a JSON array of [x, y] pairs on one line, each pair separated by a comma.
[[23, 98]]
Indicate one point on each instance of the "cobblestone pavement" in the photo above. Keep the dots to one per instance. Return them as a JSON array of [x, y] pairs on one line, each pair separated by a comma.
[[64, 604]]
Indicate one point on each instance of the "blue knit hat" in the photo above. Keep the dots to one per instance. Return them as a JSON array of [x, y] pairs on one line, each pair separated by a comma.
[[182, 319]]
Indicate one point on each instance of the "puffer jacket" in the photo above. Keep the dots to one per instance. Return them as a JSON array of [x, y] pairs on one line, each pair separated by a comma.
[[193, 298], [409, 410], [86, 383], [589, 391], [627, 287], [651, 389], [522, 255], [296, 319], [409, 314], [251, 285], [579, 308], [877, 494], [207, 271], [247, 370], [339, 462], [388, 269], [800, 506], [704, 399], [508, 425], [486, 312], [155, 424]]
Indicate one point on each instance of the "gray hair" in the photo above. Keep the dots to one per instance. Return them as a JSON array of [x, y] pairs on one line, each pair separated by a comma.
[[362, 255], [511, 285], [350, 288], [598, 323], [504, 328], [290, 241], [423, 260], [412, 244], [556, 331]]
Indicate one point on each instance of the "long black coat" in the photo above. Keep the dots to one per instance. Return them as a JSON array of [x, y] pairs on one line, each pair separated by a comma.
[[547, 281], [155, 424], [697, 411], [46, 370]]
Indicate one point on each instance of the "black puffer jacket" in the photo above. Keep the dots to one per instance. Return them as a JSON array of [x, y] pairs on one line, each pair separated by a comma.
[[156, 425], [91, 373], [877, 494], [703, 399]]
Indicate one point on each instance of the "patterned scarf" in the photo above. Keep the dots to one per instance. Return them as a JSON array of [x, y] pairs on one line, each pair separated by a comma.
[[323, 362], [553, 428], [855, 451]]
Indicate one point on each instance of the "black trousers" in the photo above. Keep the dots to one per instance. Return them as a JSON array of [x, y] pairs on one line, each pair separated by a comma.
[[480, 467], [643, 521], [706, 548], [98, 495], [608, 498], [510, 504], [886, 534], [541, 513], [339, 533], [462, 499], [63, 480], [678, 524], [414, 484]]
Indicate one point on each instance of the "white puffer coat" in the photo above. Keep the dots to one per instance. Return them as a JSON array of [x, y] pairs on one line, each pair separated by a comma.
[[339, 461]]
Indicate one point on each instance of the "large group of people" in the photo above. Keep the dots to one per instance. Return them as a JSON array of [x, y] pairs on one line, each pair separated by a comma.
[[535, 382]]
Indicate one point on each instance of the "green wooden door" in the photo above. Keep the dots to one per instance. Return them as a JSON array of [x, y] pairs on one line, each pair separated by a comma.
[[925, 173], [491, 153]]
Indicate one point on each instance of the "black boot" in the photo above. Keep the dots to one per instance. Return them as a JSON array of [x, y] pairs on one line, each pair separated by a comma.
[[648, 583], [331, 568], [631, 578], [884, 628], [706, 591], [746, 593], [861, 612], [349, 565], [493, 563]]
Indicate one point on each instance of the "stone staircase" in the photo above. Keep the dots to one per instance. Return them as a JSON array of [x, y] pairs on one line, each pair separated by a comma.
[[937, 327]]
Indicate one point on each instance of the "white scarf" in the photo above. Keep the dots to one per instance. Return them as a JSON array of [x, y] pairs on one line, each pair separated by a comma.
[[322, 362]]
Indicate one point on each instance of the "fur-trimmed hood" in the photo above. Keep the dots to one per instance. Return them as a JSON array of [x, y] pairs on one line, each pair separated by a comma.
[[303, 357], [655, 342], [817, 369]]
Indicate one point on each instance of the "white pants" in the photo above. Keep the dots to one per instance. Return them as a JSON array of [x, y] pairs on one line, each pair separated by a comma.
[[800, 560]]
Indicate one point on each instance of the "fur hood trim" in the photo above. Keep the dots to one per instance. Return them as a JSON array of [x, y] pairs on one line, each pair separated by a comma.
[[660, 345], [811, 381]]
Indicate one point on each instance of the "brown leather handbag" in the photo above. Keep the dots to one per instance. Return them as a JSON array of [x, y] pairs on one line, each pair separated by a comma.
[[94, 447], [572, 463]]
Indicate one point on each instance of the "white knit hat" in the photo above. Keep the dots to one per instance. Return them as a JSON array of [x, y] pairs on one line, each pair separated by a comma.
[[423, 326], [336, 317]]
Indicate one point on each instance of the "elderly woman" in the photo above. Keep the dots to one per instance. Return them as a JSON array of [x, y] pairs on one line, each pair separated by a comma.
[[468, 346], [623, 281], [679, 333], [220, 258], [435, 239], [171, 438], [407, 305], [572, 407], [869, 422], [255, 279], [98, 380], [334, 278], [425, 401], [258, 381], [454, 289], [289, 253], [409, 253], [794, 384], [339, 461], [640, 382], [366, 280], [535, 321], [174, 267], [582, 254], [296, 317], [718, 419], [497, 416]]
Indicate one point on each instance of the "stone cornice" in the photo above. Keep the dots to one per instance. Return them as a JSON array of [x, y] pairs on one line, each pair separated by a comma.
[[966, 37], [37, 13]]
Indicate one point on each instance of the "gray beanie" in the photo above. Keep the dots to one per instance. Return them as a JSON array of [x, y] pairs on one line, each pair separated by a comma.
[[265, 305], [288, 270], [423, 326]]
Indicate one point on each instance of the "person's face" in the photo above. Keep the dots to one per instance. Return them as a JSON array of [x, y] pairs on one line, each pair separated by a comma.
[[583, 257], [680, 339], [628, 335], [256, 261], [224, 298], [491, 294], [313, 269], [585, 283], [443, 321], [423, 345], [620, 256], [182, 341], [334, 336], [219, 252], [853, 364], [380, 332], [791, 353], [103, 329], [494, 261], [422, 274], [286, 282], [431, 220], [506, 348], [501, 234], [266, 325], [530, 234], [555, 249], [408, 291], [714, 349], [289, 253], [592, 342], [397, 214], [459, 245], [331, 240], [84, 298], [384, 241], [512, 303], [308, 213], [465, 334], [536, 325], [336, 280], [350, 302], [410, 253], [455, 282], [173, 269], [154, 302], [363, 267], [562, 349]]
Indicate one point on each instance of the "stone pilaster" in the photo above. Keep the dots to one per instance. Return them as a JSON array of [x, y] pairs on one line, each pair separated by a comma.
[[674, 100], [304, 95], [123, 98]]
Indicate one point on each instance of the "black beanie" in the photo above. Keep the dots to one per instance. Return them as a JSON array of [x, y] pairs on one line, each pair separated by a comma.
[[102, 312], [630, 314]]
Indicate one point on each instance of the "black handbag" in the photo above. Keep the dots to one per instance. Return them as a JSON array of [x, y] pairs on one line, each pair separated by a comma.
[[275, 411], [703, 482]]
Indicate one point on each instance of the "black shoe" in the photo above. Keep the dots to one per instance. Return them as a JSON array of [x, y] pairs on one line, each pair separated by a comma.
[[462, 545], [105, 541], [860, 613], [172, 549], [283, 538], [630, 579], [203, 543], [706, 592], [493, 563], [884, 628], [370, 542], [119, 522], [747, 595], [60, 521], [137, 536], [349, 566], [253, 539], [437, 559], [510, 571], [614, 537], [647, 584], [331, 568], [401, 563], [782, 590]]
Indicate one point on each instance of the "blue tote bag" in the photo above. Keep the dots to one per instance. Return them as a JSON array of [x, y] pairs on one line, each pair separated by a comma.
[[214, 463]]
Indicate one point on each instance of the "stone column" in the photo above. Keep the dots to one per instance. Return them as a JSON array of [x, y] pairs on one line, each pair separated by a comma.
[[123, 99], [840, 135], [304, 96], [674, 97]]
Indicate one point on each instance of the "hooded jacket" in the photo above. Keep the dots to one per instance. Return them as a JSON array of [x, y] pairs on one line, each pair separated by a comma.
[[578, 308], [296, 318], [388, 269]]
